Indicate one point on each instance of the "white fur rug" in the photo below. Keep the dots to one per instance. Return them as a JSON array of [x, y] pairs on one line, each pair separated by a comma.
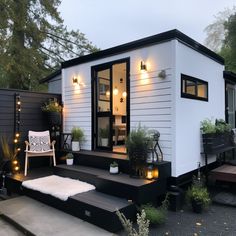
[[57, 186]]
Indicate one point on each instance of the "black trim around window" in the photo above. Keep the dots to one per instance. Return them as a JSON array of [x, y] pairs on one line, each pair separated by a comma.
[[195, 83]]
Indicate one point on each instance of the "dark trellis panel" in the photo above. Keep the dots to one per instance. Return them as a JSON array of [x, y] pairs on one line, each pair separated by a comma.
[[31, 116]]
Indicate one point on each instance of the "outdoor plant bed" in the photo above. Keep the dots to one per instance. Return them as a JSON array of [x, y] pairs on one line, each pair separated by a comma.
[[215, 136]]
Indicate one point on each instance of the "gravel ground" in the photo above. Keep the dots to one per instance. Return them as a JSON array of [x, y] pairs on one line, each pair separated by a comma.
[[217, 220]]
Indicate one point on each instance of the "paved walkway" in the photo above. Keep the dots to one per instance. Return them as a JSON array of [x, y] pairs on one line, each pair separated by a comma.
[[43, 220]]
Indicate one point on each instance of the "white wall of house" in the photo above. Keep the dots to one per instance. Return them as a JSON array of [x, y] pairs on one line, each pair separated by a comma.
[[54, 85], [154, 102], [151, 99], [188, 112]]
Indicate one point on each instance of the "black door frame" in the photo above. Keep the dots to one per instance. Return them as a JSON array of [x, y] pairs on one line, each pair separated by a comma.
[[228, 82], [94, 70]]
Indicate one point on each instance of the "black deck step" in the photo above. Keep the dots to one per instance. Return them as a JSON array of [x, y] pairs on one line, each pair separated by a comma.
[[120, 185], [92, 206], [100, 209]]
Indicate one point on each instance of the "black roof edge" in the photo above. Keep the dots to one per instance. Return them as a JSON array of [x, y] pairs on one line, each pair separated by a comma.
[[158, 38], [229, 75], [51, 76]]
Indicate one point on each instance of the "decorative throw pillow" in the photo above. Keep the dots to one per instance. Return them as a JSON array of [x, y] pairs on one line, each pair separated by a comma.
[[39, 143]]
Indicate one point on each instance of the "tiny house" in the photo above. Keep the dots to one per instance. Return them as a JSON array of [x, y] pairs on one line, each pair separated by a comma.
[[167, 82]]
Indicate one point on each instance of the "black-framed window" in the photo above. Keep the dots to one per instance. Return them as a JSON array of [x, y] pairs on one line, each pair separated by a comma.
[[194, 88]]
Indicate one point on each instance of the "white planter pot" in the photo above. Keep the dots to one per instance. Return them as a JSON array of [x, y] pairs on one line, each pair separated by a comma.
[[69, 162], [75, 146], [114, 170], [104, 142]]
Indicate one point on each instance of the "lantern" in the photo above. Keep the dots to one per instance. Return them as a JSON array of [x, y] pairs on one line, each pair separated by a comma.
[[149, 173], [155, 172]]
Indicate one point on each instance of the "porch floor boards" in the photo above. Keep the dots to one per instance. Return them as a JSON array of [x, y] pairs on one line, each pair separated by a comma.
[[104, 154]]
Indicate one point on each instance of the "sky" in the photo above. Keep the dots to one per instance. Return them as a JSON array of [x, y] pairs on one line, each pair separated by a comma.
[[108, 23]]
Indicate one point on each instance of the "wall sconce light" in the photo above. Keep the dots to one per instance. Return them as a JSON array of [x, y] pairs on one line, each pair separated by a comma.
[[75, 81], [162, 74], [143, 66]]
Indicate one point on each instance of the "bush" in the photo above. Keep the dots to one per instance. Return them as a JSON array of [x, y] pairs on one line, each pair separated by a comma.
[[154, 215], [198, 193], [157, 215], [51, 105], [219, 126]]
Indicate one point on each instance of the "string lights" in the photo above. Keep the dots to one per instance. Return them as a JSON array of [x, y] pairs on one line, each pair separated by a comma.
[[16, 140]]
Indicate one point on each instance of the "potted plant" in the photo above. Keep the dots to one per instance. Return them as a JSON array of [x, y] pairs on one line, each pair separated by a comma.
[[77, 137], [114, 169], [137, 149], [53, 110], [215, 135], [104, 134], [69, 159], [199, 197]]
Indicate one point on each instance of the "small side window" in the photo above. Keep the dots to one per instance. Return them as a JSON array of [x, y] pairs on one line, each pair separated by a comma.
[[194, 88]]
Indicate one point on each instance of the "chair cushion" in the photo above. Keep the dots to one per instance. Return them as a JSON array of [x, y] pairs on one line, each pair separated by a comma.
[[39, 143]]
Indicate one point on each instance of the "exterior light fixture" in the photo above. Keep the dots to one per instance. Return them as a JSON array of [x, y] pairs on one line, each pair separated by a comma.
[[115, 91], [149, 173], [143, 66], [155, 172], [162, 74], [75, 80]]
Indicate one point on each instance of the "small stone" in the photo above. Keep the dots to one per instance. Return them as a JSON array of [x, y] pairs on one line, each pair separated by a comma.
[[195, 234], [167, 233], [198, 224]]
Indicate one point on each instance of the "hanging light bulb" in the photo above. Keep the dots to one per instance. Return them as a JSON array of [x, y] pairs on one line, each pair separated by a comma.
[[107, 93], [124, 94], [115, 91]]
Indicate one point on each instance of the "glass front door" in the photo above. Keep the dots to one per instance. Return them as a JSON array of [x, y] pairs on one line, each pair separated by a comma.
[[110, 106]]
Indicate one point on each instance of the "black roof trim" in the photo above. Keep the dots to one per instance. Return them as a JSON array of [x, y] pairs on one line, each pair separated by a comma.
[[51, 76], [229, 75], [158, 38]]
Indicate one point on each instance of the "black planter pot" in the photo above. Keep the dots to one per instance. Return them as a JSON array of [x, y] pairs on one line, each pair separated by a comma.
[[53, 118], [216, 141], [197, 206]]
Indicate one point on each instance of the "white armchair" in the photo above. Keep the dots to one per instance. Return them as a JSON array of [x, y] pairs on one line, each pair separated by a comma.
[[39, 145]]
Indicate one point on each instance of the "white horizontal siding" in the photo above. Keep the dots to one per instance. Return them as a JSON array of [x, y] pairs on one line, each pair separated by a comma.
[[151, 106]]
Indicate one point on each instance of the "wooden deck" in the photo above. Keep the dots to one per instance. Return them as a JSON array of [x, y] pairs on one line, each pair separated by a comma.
[[112, 191], [224, 173]]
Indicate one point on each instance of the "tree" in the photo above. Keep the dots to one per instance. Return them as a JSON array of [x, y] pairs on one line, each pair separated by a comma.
[[216, 31], [34, 41], [221, 37], [229, 48]]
